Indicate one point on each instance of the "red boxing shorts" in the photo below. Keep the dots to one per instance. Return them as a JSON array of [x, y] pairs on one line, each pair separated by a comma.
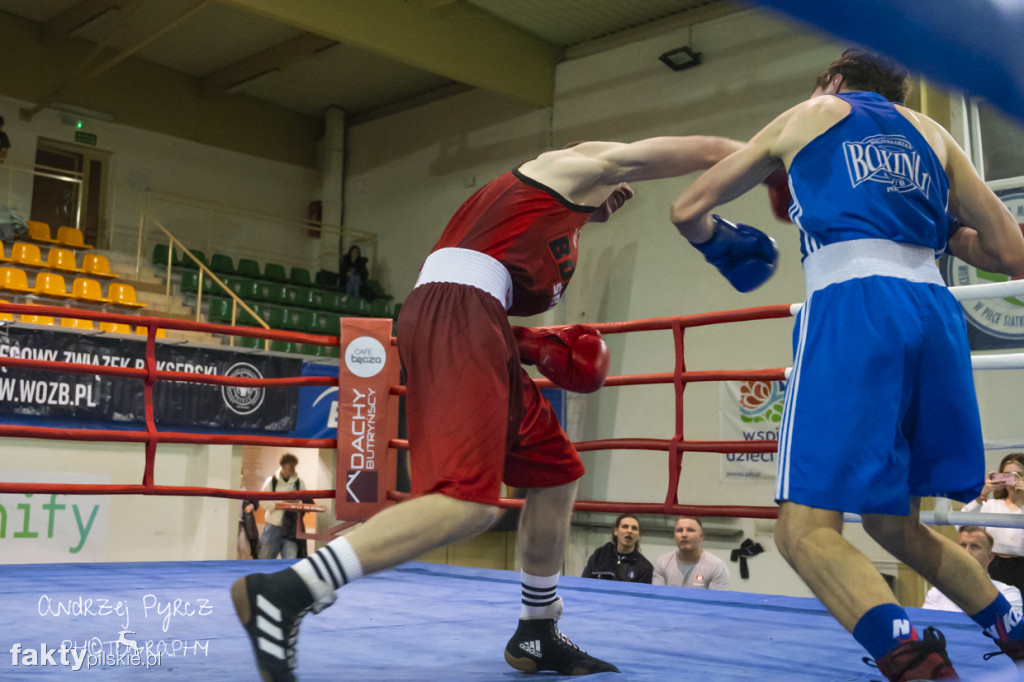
[[474, 417]]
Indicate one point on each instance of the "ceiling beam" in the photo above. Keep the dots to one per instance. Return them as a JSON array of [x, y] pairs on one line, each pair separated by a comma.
[[273, 59], [75, 17], [470, 47]]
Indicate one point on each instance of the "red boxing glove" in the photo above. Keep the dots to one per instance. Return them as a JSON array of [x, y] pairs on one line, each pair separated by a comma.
[[574, 357], [778, 194]]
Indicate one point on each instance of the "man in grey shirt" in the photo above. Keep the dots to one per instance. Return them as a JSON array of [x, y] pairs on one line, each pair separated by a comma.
[[690, 565]]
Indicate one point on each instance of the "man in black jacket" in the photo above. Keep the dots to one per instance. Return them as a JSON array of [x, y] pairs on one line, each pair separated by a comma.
[[621, 559]]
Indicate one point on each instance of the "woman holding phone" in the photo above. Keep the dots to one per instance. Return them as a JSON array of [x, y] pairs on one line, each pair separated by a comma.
[[1004, 494]]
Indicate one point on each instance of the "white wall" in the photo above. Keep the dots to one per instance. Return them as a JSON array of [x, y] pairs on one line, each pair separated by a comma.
[[125, 527]]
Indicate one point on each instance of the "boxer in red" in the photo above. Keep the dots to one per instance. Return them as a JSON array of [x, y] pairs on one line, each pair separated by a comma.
[[474, 417]]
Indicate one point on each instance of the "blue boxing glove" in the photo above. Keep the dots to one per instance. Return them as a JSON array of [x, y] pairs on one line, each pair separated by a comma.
[[745, 255]]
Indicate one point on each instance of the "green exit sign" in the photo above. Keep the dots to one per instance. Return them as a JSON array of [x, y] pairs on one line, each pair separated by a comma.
[[85, 138]]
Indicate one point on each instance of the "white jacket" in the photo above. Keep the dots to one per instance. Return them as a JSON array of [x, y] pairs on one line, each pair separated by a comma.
[[275, 516]]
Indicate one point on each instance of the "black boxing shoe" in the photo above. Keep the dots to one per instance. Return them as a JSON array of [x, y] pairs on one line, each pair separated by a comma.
[[270, 607], [537, 645], [916, 660]]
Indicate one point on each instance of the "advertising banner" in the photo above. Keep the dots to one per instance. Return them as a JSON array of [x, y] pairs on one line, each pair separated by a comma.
[[750, 411], [367, 417], [46, 397]]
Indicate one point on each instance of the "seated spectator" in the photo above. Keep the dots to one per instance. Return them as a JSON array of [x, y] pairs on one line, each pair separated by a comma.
[[1007, 497], [978, 543], [353, 271], [621, 559], [690, 565]]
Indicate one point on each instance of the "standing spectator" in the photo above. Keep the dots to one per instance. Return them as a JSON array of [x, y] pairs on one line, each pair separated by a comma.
[[690, 565], [978, 543], [1006, 498], [274, 540], [5, 142], [353, 271], [621, 559]]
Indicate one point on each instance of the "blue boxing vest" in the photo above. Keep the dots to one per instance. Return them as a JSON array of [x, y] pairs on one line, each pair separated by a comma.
[[870, 176]]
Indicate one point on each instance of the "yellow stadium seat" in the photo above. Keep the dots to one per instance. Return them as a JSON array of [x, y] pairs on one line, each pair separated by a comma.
[[123, 295], [14, 279], [115, 327], [85, 289], [160, 333], [52, 285], [62, 259], [75, 323], [37, 319], [39, 231], [27, 255], [6, 317], [71, 237], [97, 265], [3, 258]]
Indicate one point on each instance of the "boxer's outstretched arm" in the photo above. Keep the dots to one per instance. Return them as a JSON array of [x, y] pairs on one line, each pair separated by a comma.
[[580, 173]]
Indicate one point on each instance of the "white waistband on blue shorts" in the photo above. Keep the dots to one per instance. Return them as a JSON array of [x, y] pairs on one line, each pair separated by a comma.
[[858, 258], [465, 266]]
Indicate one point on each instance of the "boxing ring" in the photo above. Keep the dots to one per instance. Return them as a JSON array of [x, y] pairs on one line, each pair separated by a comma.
[[426, 621]]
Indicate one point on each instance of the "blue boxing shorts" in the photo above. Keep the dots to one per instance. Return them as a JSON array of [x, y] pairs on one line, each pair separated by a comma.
[[880, 406]]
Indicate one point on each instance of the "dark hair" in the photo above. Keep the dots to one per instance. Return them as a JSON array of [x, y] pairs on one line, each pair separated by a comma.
[[1, 120], [978, 529], [619, 520], [288, 458], [1016, 458], [693, 518], [864, 70]]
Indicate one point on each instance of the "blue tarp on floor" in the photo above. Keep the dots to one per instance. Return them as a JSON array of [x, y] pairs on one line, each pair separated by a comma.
[[427, 622]]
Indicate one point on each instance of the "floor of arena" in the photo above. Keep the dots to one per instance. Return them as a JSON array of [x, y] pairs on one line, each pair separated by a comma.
[[425, 622]]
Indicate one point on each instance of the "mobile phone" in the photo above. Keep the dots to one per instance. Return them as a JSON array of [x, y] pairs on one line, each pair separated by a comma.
[[1008, 478]]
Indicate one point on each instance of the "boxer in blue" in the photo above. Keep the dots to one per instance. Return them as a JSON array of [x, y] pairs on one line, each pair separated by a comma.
[[880, 409]]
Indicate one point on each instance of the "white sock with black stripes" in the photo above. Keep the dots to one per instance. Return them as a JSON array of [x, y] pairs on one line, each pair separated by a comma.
[[538, 595], [328, 569]]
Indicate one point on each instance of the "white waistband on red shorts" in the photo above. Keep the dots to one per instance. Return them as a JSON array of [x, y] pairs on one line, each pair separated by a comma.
[[858, 258], [465, 266]]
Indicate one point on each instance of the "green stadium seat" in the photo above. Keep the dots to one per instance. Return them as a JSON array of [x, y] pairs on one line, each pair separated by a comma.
[[380, 307], [377, 290], [220, 311], [332, 301], [247, 289], [189, 282], [275, 273], [325, 279], [160, 253], [249, 342], [186, 262], [355, 305], [303, 297], [274, 292], [284, 346], [276, 316], [221, 263], [300, 277], [303, 321], [246, 319], [394, 310], [328, 323], [247, 267]]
